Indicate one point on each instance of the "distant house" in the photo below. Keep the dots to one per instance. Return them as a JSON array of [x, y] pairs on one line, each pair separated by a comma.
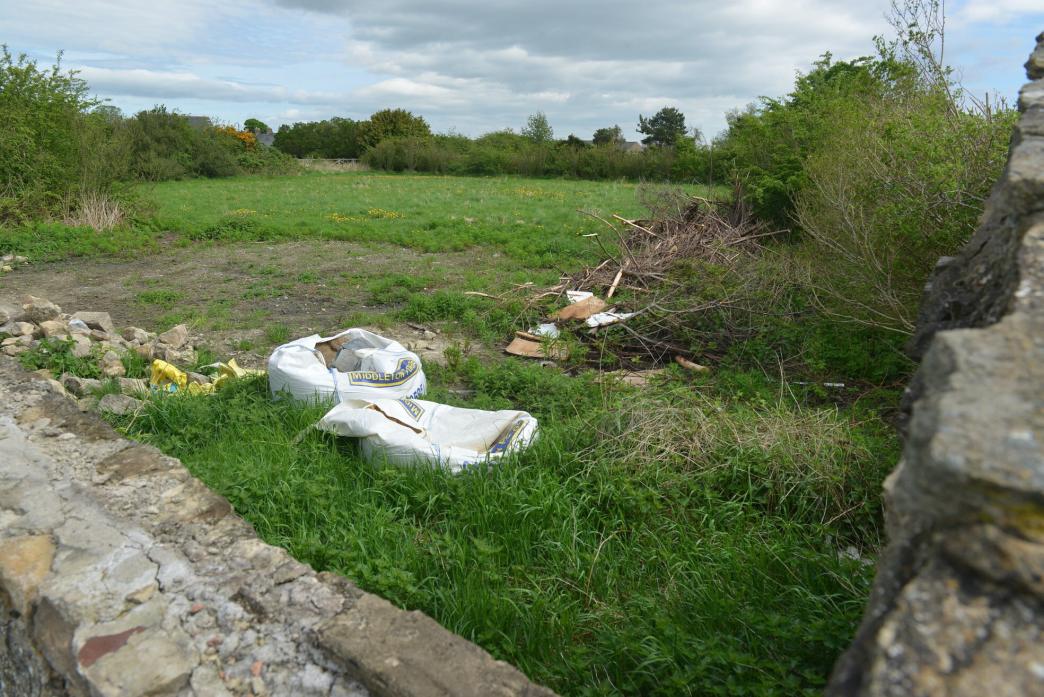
[[200, 121]]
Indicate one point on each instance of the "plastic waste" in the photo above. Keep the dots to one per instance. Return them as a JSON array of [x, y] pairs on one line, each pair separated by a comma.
[[169, 378], [418, 432]]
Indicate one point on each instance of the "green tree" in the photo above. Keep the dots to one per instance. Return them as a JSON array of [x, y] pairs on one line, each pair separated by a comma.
[[256, 126], [608, 136], [392, 123], [538, 129], [664, 128]]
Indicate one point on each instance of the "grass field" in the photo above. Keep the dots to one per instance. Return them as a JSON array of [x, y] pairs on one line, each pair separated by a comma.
[[706, 535]]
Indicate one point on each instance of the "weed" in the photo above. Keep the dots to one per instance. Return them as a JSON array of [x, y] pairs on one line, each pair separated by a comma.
[[56, 356], [163, 298], [277, 333]]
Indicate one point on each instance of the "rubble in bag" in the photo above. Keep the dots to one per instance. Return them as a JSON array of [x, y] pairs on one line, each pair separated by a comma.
[[418, 432], [353, 364]]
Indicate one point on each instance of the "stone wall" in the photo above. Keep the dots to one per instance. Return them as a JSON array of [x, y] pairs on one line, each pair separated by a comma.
[[121, 574], [958, 603]]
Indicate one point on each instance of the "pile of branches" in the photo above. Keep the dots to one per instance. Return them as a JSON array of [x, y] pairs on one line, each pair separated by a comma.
[[669, 312]]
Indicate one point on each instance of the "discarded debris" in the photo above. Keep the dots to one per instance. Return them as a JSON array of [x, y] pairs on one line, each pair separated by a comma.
[[655, 317], [533, 346], [604, 319], [689, 365], [414, 431], [548, 329], [580, 309]]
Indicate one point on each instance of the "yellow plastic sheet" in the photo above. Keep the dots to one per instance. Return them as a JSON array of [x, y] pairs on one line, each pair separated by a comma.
[[170, 378]]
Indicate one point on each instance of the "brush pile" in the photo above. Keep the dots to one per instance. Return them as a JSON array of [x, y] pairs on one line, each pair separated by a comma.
[[680, 273]]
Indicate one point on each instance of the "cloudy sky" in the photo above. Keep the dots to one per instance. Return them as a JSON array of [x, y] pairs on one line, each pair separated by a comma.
[[473, 66]]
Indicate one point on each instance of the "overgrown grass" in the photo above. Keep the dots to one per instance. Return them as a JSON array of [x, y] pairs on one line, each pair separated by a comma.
[[698, 536], [665, 542], [533, 221]]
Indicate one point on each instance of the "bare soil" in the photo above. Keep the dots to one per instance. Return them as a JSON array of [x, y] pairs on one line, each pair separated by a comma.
[[232, 294]]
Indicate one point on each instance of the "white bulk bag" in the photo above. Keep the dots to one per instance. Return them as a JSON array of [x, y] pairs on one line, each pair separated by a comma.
[[414, 431], [366, 366]]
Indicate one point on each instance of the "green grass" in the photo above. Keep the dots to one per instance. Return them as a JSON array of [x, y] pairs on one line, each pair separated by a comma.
[[530, 220], [611, 557], [682, 539]]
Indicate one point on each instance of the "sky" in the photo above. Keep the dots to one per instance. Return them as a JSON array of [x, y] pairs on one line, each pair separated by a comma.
[[474, 66]]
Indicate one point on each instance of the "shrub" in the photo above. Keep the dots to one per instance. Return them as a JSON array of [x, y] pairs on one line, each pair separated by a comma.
[[43, 149], [895, 185]]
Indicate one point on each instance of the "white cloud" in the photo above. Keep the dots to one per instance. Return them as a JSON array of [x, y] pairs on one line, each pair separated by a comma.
[[996, 10], [171, 85], [475, 65]]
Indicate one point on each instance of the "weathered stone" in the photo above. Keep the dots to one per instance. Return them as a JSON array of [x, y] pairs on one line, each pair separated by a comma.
[[146, 351], [1035, 64], [175, 337], [151, 662], [118, 404], [117, 346], [10, 313], [178, 357], [959, 591], [96, 320], [81, 387], [111, 366], [21, 329], [135, 335], [133, 386], [99, 335], [38, 310], [14, 350], [24, 563], [81, 347], [17, 341], [405, 654], [54, 329]]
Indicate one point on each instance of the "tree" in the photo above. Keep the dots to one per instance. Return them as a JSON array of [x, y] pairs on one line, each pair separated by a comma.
[[573, 142], [608, 136], [391, 123], [664, 128], [256, 126], [537, 128]]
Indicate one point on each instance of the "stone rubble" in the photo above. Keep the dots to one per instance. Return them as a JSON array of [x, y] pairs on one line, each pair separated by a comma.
[[121, 574], [93, 336]]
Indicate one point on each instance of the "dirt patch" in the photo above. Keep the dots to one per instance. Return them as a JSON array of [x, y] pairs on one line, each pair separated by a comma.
[[234, 295]]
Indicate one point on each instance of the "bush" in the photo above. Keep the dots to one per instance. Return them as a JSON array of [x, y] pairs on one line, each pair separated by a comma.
[[46, 138], [895, 185]]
